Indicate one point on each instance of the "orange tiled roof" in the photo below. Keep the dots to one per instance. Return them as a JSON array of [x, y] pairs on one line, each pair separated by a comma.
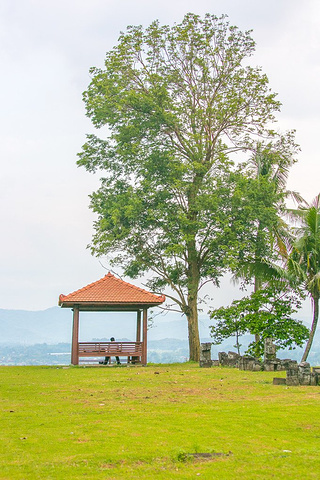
[[111, 290]]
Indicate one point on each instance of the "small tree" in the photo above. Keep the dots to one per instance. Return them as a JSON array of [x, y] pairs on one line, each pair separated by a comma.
[[229, 324], [175, 101], [266, 313]]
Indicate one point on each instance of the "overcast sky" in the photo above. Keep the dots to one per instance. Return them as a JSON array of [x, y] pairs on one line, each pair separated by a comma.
[[47, 48]]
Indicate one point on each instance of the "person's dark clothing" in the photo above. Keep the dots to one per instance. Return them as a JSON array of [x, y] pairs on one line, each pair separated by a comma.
[[106, 360]]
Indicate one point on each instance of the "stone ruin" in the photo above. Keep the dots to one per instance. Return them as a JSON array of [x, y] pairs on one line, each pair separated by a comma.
[[302, 375], [270, 350], [271, 363], [205, 355], [252, 364], [296, 374], [230, 359], [247, 362]]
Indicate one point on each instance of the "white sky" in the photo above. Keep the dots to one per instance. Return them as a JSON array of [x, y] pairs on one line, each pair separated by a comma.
[[46, 50]]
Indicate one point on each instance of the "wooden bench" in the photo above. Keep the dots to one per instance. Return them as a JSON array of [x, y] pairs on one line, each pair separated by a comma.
[[131, 350]]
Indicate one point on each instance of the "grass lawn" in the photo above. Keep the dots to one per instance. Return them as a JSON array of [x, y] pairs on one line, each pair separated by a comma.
[[145, 422]]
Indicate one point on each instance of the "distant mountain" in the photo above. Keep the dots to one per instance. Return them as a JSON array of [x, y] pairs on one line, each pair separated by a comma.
[[168, 333], [54, 325], [26, 327]]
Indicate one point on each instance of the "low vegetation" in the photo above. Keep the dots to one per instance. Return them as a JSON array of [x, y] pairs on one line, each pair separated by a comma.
[[160, 421]]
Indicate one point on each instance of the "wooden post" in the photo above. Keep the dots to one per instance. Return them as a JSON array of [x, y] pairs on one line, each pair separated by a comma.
[[75, 337], [138, 337], [145, 329]]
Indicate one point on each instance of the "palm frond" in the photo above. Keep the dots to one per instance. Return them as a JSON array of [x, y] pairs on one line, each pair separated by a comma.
[[280, 177], [316, 202], [295, 270], [313, 219], [296, 214], [313, 284], [296, 197]]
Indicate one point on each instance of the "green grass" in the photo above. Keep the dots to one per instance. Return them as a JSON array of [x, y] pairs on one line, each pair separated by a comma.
[[143, 422]]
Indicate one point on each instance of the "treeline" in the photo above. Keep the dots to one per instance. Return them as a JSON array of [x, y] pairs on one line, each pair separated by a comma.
[[168, 350]]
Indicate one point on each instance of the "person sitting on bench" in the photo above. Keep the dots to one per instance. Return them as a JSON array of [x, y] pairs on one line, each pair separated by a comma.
[[106, 360]]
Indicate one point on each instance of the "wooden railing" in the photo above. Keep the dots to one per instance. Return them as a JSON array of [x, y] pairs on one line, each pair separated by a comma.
[[110, 349]]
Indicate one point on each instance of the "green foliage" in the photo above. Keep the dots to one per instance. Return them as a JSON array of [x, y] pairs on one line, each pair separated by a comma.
[[304, 260], [174, 103], [267, 313], [266, 236]]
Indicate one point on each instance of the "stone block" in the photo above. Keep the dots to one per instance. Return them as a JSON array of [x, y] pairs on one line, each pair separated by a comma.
[[279, 381], [222, 357], [250, 363], [206, 364], [305, 379], [270, 350], [230, 359], [292, 381], [270, 366], [205, 355], [233, 356], [287, 363], [256, 367], [314, 379]]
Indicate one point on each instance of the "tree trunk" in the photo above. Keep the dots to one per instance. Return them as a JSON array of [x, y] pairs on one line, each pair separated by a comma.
[[193, 270], [313, 328], [237, 345], [192, 308], [257, 286], [193, 328]]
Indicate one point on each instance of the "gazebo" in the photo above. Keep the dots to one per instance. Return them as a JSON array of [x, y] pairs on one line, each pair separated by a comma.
[[110, 294]]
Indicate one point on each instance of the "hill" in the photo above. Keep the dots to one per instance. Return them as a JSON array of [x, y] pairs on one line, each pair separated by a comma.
[[45, 333], [54, 325]]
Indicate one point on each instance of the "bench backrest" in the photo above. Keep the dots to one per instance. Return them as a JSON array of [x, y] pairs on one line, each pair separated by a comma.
[[112, 348]]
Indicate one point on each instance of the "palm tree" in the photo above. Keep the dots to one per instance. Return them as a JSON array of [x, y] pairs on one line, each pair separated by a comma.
[[304, 261], [269, 172]]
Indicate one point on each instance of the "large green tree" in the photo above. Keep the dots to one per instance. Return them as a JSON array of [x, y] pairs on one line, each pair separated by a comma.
[[304, 261], [173, 104]]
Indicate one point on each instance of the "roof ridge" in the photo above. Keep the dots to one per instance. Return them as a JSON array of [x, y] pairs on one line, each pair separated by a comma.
[[109, 283], [133, 286], [87, 287]]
